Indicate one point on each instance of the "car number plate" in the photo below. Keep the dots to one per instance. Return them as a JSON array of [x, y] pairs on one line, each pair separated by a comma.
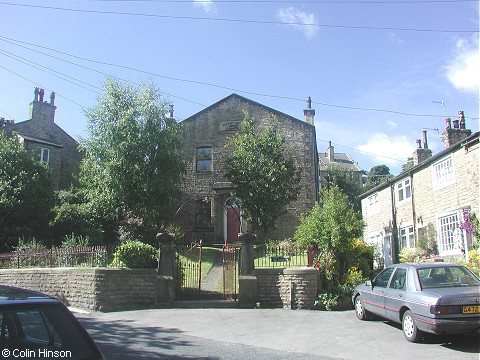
[[473, 309]]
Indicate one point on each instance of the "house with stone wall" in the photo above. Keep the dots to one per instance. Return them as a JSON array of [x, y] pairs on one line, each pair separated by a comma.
[[429, 199], [48, 141], [331, 159], [207, 209]]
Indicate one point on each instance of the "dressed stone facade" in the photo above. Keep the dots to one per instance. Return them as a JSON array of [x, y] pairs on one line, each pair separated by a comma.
[[429, 199], [207, 210], [49, 142]]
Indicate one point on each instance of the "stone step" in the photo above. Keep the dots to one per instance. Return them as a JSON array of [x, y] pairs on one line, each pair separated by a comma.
[[205, 304]]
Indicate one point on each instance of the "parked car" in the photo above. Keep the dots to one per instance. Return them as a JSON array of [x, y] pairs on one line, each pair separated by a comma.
[[35, 325], [438, 298]]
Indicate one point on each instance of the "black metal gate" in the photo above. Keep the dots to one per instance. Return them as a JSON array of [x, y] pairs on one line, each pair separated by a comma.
[[188, 275], [192, 284]]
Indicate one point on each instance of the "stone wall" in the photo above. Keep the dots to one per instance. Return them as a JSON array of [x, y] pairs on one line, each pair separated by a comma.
[[102, 289], [293, 288], [97, 289]]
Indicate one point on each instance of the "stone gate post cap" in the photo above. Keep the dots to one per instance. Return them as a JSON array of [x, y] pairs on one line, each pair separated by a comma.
[[164, 238], [247, 238]]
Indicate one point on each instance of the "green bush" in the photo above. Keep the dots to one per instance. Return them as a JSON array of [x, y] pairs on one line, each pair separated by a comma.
[[135, 254], [73, 241]]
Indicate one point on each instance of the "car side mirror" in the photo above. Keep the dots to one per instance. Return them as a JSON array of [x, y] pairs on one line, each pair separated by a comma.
[[369, 283]]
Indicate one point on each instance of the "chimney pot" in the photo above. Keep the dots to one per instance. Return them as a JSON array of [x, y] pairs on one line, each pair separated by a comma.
[[425, 143], [37, 90], [448, 123], [52, 98], [419, 143], [455, 124], [461, 117], [42, 92]]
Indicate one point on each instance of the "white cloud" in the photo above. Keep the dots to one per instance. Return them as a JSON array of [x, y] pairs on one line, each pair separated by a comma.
[[392, 124], [207, 5], [394, 38], [464, 69], [388, 150], [299, 20]]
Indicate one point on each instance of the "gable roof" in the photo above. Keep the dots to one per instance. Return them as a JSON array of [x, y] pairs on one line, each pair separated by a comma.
[[244, 99], [464, 142], [24, 128], [342, 160]]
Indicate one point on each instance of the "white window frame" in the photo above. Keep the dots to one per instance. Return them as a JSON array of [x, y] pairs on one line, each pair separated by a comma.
[[204, 161], [403, 190], [443, 173], [406, 238], [373, 205], [450, 238], [43, 154]]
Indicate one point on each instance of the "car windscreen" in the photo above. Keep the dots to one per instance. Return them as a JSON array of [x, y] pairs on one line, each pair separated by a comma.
[[43, 332], [446, 276]]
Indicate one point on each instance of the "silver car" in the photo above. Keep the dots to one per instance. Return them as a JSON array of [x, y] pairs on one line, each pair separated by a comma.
[[439, 298]]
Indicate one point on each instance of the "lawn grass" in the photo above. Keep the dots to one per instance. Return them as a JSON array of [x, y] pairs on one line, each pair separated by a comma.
[[209, 255]]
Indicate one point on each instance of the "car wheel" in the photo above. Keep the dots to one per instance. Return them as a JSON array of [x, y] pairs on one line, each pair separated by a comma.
[[360, 311], [409, 327]]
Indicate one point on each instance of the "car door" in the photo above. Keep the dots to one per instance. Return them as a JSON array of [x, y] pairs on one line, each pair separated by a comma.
[[394, 294], [375, 301]]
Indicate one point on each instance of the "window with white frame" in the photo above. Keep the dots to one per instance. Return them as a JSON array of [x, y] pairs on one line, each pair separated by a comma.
[[404, 190], [449, 234], [407, 238], [443, 173], [43, 154], [373, 206], [204, 159]]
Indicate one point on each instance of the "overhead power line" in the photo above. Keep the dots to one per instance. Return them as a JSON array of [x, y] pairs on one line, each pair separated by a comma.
[[17, 43], [246, 21], [315, 2]]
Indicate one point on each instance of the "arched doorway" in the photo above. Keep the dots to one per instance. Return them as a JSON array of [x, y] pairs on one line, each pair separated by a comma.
[[232, 220]]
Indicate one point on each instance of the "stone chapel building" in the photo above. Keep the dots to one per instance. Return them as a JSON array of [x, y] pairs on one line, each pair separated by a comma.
[[207, 210]]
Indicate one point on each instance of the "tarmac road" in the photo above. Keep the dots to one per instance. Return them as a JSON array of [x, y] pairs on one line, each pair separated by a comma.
[[262, 334]]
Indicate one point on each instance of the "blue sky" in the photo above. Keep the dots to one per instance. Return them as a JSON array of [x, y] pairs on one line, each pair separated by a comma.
[[378, 72]]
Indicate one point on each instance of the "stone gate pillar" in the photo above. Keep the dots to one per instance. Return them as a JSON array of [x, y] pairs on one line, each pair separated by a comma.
[[165, 281], [247, 281]]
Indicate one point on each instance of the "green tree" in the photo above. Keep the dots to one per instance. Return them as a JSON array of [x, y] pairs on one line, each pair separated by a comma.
[[26, 194], [332, 228], [377, 175], [262, 171], [348, 181], [132, 163]]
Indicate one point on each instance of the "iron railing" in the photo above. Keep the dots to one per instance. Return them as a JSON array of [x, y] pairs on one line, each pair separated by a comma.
[[87, 256], [280, 256]]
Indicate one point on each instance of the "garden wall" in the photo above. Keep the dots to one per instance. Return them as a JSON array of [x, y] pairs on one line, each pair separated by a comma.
[[104, 289], [97, 289], [290, 288]]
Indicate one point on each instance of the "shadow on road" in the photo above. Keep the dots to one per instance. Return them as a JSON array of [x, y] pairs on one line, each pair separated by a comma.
[[125, 340], [462, 343]]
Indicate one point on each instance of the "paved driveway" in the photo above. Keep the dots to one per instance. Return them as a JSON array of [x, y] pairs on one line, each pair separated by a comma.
[[262, 334]]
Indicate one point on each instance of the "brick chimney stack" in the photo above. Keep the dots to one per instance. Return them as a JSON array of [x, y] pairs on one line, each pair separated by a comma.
[[309, 112], [42, 111], [421, 154], [457, 133], [4, 122]]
